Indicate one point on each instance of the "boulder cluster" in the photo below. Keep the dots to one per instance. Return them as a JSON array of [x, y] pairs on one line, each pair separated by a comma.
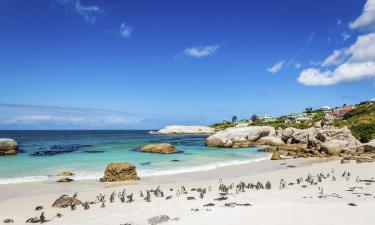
[[317, 141]]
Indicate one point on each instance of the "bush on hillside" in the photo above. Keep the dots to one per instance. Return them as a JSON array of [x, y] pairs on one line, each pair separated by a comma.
[[364, 132]]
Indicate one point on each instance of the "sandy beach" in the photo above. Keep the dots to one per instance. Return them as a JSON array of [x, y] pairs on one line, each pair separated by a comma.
[[334, 193]]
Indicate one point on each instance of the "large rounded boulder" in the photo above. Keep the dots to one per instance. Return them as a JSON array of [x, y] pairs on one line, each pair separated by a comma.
[[163, 148], [271, 140], [8, 146], [119, 172], [333, 147], [239, 136]]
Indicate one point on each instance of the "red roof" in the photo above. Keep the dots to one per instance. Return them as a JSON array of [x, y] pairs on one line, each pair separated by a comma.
[[347, 108]]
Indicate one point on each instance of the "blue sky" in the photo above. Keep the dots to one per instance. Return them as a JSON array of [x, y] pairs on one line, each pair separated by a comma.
[[151, 63]]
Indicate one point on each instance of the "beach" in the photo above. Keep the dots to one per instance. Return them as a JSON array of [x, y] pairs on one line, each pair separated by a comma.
[[330, 196]]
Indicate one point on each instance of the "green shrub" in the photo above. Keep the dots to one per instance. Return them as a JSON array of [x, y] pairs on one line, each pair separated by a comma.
[[364, 132]]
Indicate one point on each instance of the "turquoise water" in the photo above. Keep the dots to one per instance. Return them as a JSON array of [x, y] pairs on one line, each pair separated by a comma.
[[43, 154]]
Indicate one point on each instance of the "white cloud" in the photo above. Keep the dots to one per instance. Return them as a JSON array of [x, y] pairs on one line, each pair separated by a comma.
[[201, 51], [89, 13], [275, 68], [367, 18], [125, 30], [352, 64], [297, 65], [345, 36], [52, 117], [344, 73], [336, 58]]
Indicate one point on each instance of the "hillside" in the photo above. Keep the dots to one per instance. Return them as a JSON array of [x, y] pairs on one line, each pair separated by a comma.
[[361, 122]]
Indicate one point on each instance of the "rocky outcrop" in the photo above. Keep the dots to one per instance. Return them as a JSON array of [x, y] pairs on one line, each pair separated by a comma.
[[65, 201], [119, 172], [239, 137], [370, 146], [177, 129], [292, 135], [342, 134], [333, 147], [271, 140], [163, 148], [8, 146]]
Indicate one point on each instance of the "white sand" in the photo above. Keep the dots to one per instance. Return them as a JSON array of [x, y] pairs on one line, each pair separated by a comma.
[[293, 205]]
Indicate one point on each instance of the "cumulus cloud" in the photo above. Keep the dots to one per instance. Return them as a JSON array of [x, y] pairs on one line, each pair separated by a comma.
[[297, 65], [351, 64], [201, 51], [89, 13], [61, 117], [125, 30], [276, 68], [367, 18]]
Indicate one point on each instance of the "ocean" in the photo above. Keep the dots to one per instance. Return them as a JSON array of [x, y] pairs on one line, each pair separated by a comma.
[[43, 154]]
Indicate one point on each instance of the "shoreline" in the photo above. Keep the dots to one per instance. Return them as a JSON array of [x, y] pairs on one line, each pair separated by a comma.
[[245, 168], [143, 173]]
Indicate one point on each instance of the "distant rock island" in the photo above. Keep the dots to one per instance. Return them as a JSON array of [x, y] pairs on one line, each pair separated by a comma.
[[178, 129]]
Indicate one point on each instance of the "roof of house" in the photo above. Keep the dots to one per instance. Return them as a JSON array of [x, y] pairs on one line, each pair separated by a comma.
[[346, 108]]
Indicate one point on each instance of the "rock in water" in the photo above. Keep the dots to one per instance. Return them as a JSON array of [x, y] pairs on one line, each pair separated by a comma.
[[333, 147], [239, 137], [119, 172], [163, 148], [177, 129], [65, 201], [370, 146], [158, 219], [8, 146]]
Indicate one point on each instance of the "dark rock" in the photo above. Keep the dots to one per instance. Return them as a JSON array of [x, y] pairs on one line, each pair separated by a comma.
[[59, 149]]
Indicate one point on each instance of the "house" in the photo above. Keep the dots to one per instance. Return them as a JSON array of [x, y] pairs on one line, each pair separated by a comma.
[[340, 112], [326, 109], [266, 117], [299, 117]]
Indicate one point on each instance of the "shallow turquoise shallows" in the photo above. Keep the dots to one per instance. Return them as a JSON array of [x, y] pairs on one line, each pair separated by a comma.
[[43, 154]]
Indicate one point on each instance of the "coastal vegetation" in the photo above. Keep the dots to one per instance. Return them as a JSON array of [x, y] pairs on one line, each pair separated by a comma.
[[360, 120]]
